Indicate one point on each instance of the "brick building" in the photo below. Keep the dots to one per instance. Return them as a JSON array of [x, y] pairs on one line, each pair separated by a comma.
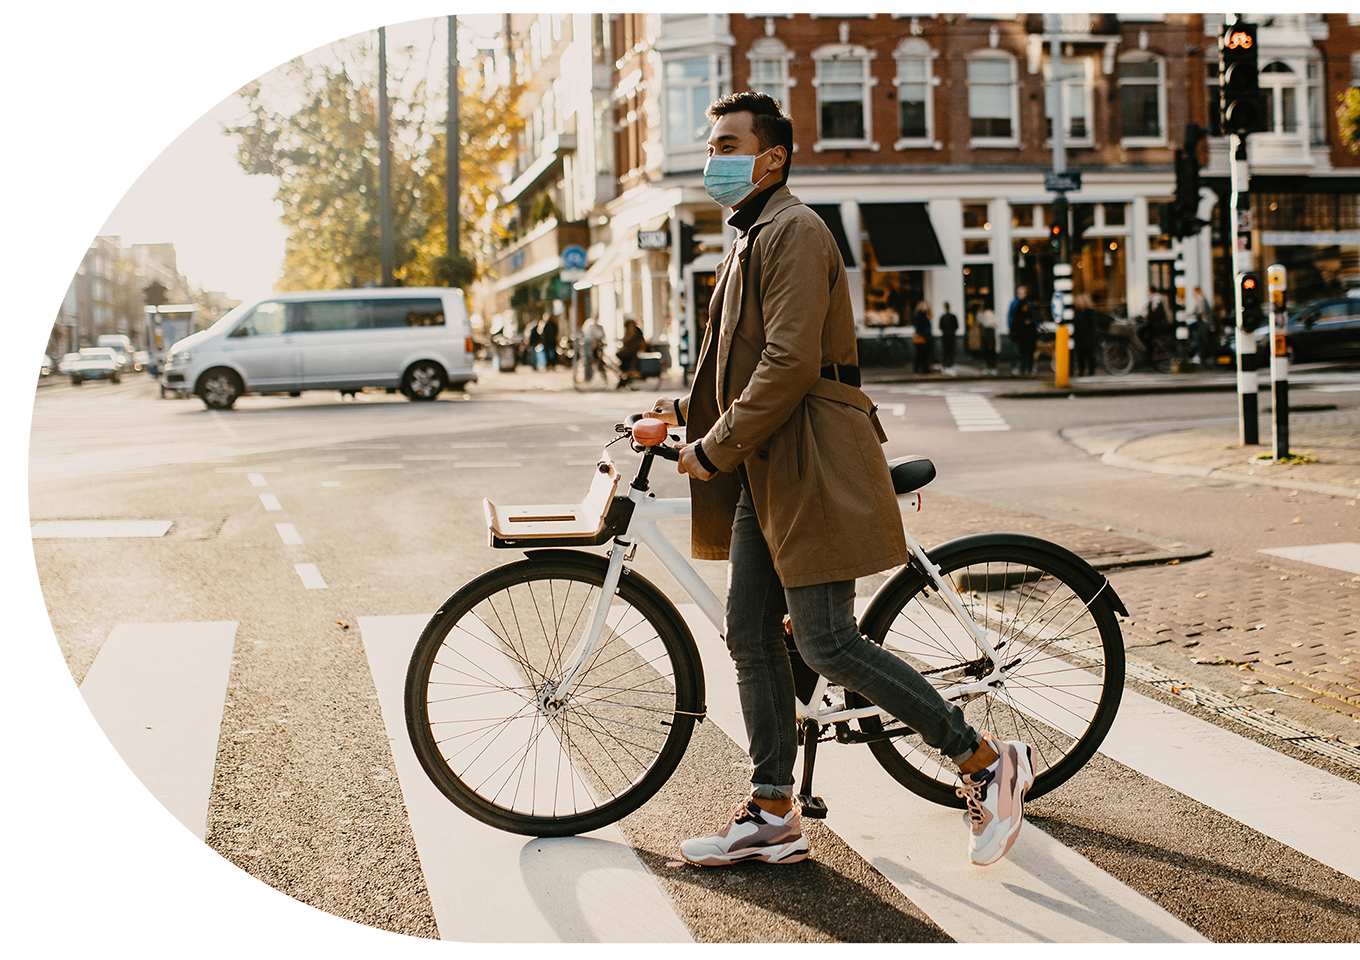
[[923, 142]]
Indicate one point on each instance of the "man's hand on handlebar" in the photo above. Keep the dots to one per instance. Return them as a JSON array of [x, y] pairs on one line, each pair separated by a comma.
[[664, 410], [690, 463]]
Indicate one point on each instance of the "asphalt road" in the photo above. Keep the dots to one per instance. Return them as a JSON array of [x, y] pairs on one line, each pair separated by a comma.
[[380, 499]]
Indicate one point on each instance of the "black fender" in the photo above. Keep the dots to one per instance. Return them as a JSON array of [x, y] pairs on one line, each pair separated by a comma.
[[600, 563], [911, 576]]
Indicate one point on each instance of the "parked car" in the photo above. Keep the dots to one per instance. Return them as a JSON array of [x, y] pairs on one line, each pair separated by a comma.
[[141, 359], [40, 365], [413, 339], [1322, 330], [94, 363], [121, 345]]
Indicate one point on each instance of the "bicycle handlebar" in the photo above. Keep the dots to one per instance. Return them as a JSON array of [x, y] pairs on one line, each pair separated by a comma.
[[658, 449]]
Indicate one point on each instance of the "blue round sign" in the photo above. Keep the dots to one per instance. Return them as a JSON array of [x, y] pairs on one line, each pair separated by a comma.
[[573, 258]]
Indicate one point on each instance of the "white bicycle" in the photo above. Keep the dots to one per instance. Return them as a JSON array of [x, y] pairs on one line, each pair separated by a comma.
[[556, 694]]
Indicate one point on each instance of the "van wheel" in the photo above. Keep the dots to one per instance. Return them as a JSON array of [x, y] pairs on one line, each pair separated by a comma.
[[424, 380], [219, 389], [77, 381]]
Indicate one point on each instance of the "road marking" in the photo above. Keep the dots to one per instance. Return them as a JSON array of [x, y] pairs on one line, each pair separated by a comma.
[[590, 888], [257, 479], [125, 778], [330, 483], [974, 413], [372, 466], [270, 501], [1041, 892], [433, 456], [1338, 556], [475, 446], [311, 576], [288, 533], [248, 469], [489, 464], [90, 529]]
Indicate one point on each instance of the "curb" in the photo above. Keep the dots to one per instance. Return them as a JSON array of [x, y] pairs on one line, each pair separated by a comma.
[[1216, 473]]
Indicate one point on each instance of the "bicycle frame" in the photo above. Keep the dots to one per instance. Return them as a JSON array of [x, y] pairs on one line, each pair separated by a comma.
[[643, 529]]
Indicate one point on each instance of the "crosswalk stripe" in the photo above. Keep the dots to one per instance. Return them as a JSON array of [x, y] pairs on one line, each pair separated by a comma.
[[490, 886], [1041, 892], [125, 778], [974, 413]]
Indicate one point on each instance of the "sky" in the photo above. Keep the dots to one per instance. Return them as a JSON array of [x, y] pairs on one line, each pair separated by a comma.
[[124, 133]]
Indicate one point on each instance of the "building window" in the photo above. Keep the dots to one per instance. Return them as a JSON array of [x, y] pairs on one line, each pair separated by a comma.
[[1317, 113], [1077, 79], [770, 70], [915, 84], [1279, 86], [1142, 98], [992, 104], [691, 85], [843, 87]]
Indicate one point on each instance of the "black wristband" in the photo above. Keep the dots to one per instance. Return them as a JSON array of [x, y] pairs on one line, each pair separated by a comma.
[[679, 417], [703, 458]]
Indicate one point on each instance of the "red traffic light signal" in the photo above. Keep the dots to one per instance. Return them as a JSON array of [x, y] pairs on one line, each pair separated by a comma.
[[1239, 86]]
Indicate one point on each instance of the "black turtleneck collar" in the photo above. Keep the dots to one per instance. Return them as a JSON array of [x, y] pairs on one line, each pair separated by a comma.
[[744, 218]]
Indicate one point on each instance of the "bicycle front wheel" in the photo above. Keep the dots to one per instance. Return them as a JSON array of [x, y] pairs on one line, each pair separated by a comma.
[[488, 727], [1053, 621], [1118, 357]]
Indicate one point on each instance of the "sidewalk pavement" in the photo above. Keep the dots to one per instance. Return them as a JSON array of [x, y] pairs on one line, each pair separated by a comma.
[[1268, 643]]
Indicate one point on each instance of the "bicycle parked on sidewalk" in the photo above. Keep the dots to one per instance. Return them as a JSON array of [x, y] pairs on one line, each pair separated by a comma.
[[556, 694]]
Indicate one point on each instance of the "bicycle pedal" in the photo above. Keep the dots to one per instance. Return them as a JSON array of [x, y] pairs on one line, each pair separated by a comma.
[[811, 807]]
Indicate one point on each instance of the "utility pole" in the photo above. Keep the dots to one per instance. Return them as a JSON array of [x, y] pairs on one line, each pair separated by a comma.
[[1062, 264], [384, 164], [453, 144]]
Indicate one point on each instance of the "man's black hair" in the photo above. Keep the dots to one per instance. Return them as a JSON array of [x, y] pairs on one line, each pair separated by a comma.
[[771, 124]]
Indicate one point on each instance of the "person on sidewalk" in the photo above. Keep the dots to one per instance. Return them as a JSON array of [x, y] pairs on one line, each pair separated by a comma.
[[549, 335], [1023, 329], [1084, 336], [987, 323], [949, 329], [592, 348], [789, 484], [922, 335], [1202, 329]]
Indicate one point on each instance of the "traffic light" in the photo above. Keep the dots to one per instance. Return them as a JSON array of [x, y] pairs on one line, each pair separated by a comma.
[[689, 246], [1238, 85], [1169, 214], [1251, 302], [1058, 232]]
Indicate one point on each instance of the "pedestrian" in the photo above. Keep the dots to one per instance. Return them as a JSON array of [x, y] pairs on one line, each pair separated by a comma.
[[536, 345], [1084, 335], [921, 338], [633, 344], [789, 483], [987, 323], [1202, 329], [549, 335], [1023, 330], [1156, 324], [592, 347], [949, 329]]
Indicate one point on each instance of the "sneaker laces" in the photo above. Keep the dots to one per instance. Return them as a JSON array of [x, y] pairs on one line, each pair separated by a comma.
[[973, 792]]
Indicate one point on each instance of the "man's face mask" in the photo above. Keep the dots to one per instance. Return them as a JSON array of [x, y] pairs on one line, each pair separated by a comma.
[[728, 179]]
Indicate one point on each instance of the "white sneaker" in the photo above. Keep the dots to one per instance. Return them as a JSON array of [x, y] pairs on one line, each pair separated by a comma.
[[996, 801], [749, 836]]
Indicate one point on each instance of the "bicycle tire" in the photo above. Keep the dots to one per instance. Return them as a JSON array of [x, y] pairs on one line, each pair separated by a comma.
[[1055, 618], [1117, 357], [475, 710]]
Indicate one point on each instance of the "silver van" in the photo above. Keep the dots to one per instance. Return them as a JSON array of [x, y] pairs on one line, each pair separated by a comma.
[[413, 339]]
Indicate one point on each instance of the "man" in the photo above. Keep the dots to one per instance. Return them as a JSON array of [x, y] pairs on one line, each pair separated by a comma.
[[627, 355], [789, 484], [949, 329], [592, 343], [1202, 329], [1023, 329]]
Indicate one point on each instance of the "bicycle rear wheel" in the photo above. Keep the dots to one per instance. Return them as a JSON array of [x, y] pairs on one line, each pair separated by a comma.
[[483, 676], [1118, 357], [1053, 618]]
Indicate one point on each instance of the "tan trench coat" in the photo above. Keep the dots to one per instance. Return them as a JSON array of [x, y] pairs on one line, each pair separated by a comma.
[[811, 446]]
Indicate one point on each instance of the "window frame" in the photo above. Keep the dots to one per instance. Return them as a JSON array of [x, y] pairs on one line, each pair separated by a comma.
[[691, 153], [771, 50], [1273, 88], [1160, 140], [1003, 143], [1088, 100], [916, 50], [844, 53]]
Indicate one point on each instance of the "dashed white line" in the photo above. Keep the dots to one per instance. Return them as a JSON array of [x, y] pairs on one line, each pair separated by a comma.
[[257, 479], [288, 533], [310, 575], [270, 501]]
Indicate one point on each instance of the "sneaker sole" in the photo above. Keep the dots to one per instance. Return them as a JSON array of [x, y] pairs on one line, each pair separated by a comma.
[[1014, 832], [787, 853]]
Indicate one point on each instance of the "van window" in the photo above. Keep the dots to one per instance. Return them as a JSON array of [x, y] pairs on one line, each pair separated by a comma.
[[317, 315], [266, 320]]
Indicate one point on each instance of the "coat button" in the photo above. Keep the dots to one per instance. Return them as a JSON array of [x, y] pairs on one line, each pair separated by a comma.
[[763, 455], [738, 446]]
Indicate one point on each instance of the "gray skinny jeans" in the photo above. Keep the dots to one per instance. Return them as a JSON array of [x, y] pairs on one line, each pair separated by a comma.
[[828, 639]]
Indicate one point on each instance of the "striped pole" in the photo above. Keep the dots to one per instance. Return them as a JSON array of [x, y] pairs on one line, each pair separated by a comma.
[[1062, 342], [1178, 310], [1247, 426], [1279, 364]]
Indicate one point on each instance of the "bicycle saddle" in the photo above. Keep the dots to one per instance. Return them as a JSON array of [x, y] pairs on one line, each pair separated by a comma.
[[910, 473]]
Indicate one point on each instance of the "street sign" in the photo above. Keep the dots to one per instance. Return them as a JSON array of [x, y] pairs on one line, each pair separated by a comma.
[[1066, 182], [654, 239], [573, 262]]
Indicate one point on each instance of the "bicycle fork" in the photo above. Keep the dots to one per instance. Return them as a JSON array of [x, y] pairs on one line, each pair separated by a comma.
[[553, 696]]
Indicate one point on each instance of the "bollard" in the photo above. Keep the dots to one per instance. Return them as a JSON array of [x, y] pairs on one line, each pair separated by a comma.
[[1279, 363], [1062, 320]]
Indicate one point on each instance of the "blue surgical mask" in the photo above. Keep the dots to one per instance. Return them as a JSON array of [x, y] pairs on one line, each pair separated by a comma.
[[728, 179]]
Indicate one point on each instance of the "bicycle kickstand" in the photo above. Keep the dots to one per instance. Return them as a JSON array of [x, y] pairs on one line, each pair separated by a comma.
[[811, 806]]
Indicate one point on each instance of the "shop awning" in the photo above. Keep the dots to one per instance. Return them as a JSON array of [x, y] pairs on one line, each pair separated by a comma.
[[602, 270], [831, 214], [902, 236]]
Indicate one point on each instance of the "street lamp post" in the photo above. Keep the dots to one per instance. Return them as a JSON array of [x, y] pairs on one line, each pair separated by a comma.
[[384, 164]]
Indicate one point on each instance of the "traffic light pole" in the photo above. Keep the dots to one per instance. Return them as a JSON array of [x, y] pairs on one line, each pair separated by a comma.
[[1248, 428], [1279, 364]]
